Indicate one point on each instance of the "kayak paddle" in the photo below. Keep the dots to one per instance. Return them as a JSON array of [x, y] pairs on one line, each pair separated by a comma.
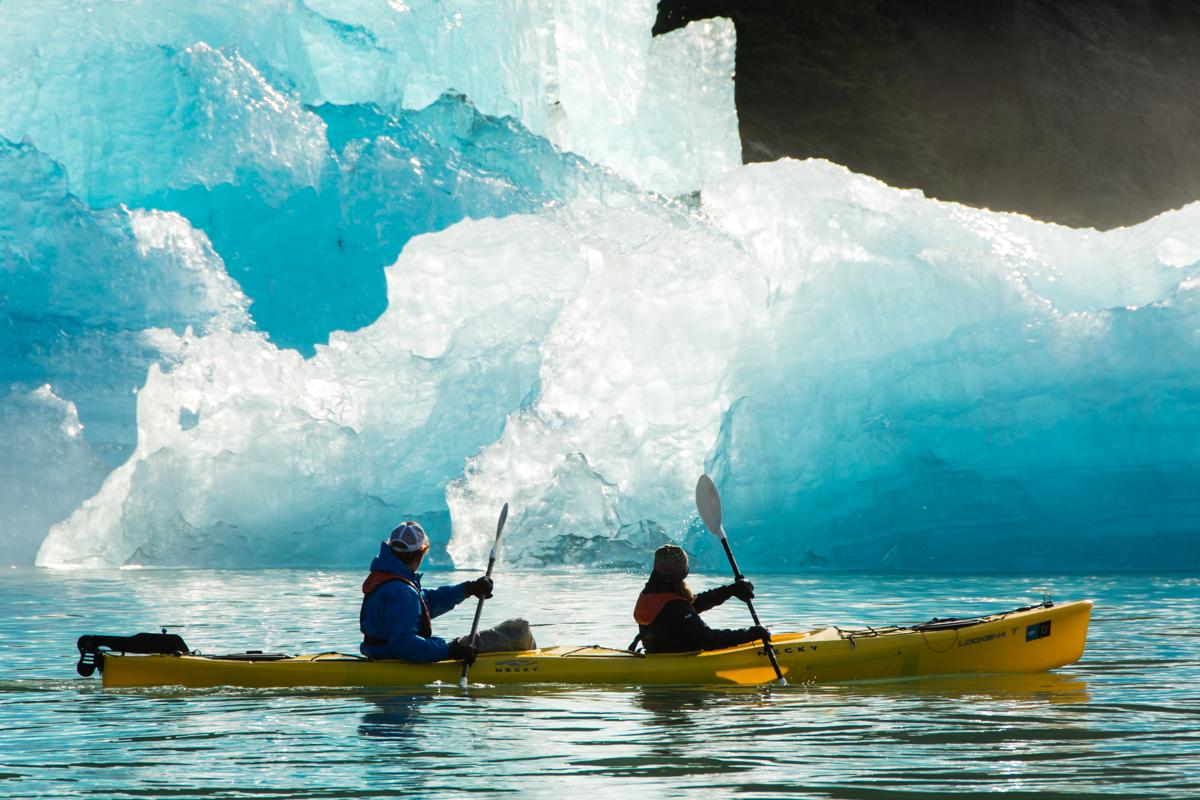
[[708, 502], [462, 682]]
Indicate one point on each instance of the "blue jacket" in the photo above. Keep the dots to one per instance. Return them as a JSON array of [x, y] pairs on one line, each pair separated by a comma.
[[393, 612]]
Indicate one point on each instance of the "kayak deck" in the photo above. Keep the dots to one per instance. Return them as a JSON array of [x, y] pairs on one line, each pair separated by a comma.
[[1031, 639]]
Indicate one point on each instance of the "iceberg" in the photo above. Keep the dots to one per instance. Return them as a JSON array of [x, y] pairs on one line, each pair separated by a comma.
[[273, 276], [875, 379]]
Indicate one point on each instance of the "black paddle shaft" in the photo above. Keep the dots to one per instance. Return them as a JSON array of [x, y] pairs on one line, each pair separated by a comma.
[[479, 606], [738, 576], [474, 638]]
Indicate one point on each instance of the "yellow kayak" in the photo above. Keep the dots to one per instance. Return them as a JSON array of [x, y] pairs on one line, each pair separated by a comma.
[[1032, 639]]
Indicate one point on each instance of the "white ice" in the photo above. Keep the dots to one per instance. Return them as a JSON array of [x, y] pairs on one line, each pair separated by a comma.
[[853, 362]]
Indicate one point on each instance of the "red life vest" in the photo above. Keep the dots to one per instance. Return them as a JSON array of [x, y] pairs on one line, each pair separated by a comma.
[[377, 579], [649, 606]]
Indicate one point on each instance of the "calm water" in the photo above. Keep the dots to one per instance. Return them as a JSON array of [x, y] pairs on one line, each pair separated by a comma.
[[1124, 722]]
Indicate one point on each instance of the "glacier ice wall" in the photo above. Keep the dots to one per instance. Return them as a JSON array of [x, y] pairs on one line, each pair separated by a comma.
[[274, 275]]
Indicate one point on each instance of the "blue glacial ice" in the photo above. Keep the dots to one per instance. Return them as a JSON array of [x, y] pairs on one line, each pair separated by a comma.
[[155, 79], [203, 133], [273, 276], [86, 298]]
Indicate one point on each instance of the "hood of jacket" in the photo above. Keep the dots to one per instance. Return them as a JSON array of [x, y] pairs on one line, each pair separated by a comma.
[[387, 561]]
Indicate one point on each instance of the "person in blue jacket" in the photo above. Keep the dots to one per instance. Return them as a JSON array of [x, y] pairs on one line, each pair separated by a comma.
[[397, 614]]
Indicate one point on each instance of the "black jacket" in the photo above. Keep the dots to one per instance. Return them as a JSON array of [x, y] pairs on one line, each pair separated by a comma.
[[677, 627]]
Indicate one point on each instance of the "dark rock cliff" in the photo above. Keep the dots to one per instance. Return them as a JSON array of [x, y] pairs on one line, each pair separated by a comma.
[[1085, 112]]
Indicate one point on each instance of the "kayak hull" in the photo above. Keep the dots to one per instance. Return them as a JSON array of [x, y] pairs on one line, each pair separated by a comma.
[[1027, 640]]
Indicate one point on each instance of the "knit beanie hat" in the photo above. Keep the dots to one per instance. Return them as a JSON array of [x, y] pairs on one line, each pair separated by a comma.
[[671, 562]]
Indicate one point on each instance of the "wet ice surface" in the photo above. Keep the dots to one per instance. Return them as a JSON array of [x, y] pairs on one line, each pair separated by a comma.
[[1121, 723]]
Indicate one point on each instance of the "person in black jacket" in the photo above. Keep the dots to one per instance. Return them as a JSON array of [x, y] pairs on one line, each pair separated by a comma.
[[668, 614]]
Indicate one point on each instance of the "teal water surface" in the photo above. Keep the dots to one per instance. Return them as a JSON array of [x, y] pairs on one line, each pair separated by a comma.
[[1123, 722]]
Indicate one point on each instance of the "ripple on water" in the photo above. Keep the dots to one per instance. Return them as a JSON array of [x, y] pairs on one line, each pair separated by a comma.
[[1121, 723]]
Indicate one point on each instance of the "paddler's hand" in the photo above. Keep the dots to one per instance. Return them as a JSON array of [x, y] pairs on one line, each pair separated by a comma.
[[480, 587], [460, 651], [761, 633], [743, 590]]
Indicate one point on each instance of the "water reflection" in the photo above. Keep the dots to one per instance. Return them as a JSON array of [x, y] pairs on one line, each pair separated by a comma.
[[1052, 687], [393, 716], [673, 707]]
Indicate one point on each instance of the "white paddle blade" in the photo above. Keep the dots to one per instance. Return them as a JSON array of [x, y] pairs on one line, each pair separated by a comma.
[[496, 541], [503, 519], [708, 503]]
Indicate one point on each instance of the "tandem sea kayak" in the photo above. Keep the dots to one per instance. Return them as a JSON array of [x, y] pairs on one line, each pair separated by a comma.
[[1031, 639]]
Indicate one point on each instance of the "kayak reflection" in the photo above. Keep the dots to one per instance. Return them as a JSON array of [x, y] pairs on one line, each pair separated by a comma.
[[678, 705], [394, 716], [1054, 687]]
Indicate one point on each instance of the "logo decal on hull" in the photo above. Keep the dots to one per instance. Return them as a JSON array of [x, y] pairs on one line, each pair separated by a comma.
[[982, 639], [1038, 630], [790, 648]]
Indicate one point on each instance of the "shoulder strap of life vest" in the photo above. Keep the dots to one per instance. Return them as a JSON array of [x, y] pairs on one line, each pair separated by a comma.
[[377, 579], [650, 605]]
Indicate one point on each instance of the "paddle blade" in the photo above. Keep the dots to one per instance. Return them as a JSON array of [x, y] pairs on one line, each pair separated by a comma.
[[708, 503], [496, 541]]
